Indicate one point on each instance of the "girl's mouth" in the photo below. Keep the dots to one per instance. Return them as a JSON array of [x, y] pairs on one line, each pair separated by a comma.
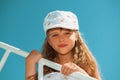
[[62, 45]]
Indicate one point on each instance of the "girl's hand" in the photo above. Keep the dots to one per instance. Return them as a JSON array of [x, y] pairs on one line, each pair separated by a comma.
[[70, 67], [33, 57]]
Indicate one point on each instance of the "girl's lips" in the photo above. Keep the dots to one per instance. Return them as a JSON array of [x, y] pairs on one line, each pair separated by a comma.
[[62, 45]]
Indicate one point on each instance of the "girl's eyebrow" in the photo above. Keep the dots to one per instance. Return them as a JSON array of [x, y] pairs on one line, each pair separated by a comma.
[[53, 31], [50, 33]]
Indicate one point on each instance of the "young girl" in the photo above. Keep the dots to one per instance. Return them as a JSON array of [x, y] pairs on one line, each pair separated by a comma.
[[63, 45]]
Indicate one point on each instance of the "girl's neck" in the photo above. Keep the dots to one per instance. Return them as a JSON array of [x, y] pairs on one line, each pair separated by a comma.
[[64, 58]]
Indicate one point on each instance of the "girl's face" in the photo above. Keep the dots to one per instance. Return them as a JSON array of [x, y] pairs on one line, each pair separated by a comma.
[[62, 40]]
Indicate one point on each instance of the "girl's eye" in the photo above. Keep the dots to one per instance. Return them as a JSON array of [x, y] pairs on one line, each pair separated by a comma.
[[54, 35], [68, 33]]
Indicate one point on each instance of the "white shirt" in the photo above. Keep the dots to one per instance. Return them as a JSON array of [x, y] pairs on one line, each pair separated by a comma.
[[73, 76]]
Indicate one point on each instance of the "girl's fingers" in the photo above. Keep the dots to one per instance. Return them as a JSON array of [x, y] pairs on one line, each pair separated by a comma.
[[64, 69], [69, 71], [68, 68]]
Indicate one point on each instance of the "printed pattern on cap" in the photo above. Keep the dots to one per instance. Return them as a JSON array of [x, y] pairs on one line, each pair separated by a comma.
[[62, 19]]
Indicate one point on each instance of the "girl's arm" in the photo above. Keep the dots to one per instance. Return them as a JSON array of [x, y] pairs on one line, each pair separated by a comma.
[[31, 61]]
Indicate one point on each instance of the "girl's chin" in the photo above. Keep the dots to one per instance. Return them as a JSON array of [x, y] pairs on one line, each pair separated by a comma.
[[63, 52]]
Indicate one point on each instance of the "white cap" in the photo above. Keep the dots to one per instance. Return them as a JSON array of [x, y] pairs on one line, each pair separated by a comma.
[[61, 19]]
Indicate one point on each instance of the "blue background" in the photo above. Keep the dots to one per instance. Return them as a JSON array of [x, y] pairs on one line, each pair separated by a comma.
[[21, 25]]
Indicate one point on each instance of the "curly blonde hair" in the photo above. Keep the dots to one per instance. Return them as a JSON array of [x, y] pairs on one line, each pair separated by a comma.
[[81, 56]]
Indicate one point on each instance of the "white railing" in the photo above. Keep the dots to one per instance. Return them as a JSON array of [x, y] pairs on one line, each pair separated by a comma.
[[41, 63]]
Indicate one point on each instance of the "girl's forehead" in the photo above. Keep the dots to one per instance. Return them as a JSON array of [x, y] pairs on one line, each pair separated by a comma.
[[57, 29]]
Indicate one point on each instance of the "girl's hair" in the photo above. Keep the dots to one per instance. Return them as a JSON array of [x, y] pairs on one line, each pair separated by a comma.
[[81, 56]]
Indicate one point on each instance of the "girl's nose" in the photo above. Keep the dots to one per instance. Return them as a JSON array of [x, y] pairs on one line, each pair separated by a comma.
[[61, 38]]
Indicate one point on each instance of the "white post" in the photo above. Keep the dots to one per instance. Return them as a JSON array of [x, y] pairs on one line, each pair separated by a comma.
[[4, 58]]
